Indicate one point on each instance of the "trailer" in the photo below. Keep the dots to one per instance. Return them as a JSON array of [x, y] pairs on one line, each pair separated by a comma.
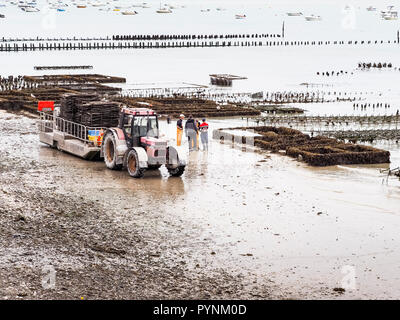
[[224, 80], [68, 136]]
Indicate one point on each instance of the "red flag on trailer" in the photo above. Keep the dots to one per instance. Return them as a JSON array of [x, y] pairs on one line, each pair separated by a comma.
[[46, 106]]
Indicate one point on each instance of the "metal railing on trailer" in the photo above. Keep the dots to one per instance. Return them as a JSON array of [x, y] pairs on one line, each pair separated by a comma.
[[48, 123]]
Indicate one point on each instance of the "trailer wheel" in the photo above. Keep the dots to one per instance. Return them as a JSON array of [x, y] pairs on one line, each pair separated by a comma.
[[110, 156], [177, 172], [132, 164]]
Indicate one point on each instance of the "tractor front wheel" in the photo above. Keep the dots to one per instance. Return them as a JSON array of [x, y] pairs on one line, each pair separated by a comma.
[[176, 172], [132, 164]]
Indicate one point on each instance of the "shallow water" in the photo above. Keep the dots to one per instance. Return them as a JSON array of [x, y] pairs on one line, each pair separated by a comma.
[[261, 16], [267, 68]]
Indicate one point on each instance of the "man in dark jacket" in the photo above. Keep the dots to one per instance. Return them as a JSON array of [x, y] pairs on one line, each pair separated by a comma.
[[191, 131]]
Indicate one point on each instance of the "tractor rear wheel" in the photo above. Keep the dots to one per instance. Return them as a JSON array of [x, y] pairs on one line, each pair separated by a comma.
[[132, 164], [110, 154]]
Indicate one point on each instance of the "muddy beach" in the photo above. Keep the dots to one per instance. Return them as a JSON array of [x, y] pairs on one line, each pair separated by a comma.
[[203, 235], [106, 235]]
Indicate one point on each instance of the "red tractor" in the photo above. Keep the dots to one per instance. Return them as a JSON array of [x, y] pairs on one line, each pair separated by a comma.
[[136, 145]]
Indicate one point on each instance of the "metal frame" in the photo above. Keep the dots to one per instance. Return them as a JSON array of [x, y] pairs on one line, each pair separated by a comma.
[[49, 123]]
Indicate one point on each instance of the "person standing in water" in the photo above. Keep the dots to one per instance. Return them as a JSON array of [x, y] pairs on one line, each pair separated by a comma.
[[197, 134], [191, 130], [179, 130], [204, 134]]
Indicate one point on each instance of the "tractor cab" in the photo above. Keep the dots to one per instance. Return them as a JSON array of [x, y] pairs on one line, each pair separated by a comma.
[[138, 123], [140, 127]]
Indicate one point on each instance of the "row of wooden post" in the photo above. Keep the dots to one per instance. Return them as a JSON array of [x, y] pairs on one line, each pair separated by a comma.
[[168, 44]]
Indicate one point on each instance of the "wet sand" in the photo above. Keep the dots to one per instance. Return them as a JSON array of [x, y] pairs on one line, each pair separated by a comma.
[[236, 225]]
